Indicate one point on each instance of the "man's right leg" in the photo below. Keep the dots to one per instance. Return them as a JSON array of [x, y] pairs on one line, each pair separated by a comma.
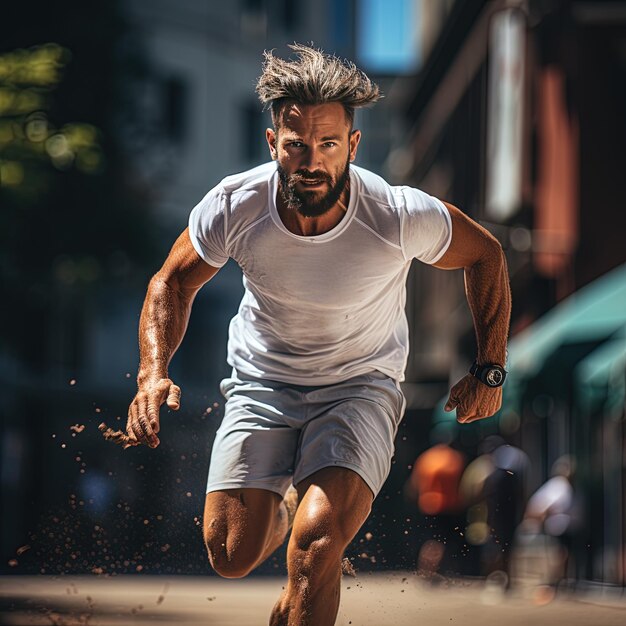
[[242, 527]]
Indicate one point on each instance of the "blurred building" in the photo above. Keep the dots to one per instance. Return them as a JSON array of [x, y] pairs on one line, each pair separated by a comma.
[[517, 117], [193, 90], [205, 58]]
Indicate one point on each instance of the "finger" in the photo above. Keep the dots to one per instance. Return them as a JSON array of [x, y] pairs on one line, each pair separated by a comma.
[[135, 431], [466, 419], [173, 398], [479, 414], [451, 404], [148, 433], [473, 418], [142, 410], [132, 416], [465, 414], [151, 418], [154, 422]]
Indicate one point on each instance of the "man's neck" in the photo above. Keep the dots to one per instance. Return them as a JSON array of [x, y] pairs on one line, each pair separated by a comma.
[[298, 224]]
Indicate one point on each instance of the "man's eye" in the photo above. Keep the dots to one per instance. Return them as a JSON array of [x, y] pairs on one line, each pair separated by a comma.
[[296, 144], [330, 144]]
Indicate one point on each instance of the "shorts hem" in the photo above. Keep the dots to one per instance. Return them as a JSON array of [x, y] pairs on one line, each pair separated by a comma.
[[345, 464], [247, 485]]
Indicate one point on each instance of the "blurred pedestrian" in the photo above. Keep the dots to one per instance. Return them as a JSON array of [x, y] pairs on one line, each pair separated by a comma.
[[434, 485], [494, 486], [552, 512]]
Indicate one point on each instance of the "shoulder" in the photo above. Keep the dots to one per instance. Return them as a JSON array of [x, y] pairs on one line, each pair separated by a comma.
[[395, 198], [251, 183], [374, 188], [235, 203], [406, 217], [245, 193]]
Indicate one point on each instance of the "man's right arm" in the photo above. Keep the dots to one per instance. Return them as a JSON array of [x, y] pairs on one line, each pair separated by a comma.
[[162, 325]]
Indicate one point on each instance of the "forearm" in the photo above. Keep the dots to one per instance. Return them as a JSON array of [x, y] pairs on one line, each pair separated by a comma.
[[489, 298], [162, 325]]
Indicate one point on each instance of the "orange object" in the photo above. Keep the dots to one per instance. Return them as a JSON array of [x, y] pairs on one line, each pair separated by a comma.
[[436, 476]]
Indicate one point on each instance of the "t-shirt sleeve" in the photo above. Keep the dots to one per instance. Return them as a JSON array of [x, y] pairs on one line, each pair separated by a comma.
[[425, 226], [207, 228]]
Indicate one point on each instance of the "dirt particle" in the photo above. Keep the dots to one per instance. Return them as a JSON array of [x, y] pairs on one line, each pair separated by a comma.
[[347, 569], [117, 436]]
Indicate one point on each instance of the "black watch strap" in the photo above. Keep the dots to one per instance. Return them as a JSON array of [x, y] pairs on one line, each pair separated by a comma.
[[490, 374]]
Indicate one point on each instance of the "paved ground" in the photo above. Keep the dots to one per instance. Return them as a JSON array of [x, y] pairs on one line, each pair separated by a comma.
[[394, 599]]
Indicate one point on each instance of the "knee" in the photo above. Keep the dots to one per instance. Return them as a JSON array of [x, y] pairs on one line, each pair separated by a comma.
[[231, 568], [229, 563], [314, 552]]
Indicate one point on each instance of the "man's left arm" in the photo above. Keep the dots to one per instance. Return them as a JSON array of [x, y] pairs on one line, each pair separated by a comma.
[[489, 297]]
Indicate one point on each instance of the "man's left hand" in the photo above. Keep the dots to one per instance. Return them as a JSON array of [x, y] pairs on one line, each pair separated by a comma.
[[473, 400]]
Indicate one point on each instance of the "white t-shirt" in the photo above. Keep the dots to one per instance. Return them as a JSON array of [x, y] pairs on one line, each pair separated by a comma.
[[318, 310]]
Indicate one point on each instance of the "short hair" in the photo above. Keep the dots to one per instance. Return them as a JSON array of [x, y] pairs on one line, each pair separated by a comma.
[[313, 78]]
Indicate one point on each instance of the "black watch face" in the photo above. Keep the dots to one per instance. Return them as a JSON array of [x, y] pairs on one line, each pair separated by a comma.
[[494, 377]]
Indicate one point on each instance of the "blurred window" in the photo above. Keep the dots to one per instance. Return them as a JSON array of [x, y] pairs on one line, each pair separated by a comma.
[[174, 108], [254, 17], [388, 35], [341, 27], [253, 124], [288, 12]]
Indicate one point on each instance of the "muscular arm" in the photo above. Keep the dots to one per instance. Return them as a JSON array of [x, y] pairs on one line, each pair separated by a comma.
[[162, 325], [487, 288]]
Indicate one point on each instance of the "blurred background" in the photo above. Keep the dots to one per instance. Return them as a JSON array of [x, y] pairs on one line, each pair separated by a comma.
[[117, 117]]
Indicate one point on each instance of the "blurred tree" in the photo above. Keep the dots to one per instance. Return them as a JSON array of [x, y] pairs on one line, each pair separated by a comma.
[[74, 213]]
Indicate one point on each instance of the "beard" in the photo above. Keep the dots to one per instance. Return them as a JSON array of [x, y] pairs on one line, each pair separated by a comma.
[[311, 203]]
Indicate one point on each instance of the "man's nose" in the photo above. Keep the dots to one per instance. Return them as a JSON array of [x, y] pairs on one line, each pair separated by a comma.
[[311, 158]]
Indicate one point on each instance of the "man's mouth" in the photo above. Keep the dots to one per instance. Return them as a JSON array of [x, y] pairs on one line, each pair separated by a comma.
[[314, 182]]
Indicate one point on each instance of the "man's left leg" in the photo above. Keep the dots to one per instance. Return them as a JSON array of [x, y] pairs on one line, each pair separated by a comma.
[[334, 503]]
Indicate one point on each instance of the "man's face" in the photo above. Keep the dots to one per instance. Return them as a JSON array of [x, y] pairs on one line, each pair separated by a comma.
[[314, 147]]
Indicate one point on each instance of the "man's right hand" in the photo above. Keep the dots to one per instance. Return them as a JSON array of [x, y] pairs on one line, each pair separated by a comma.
[[143, 414]]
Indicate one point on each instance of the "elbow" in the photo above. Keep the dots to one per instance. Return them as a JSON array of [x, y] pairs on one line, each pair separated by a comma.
[[489, 254], [166, 281]]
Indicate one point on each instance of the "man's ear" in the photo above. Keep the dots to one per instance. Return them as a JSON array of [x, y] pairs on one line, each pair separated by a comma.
[[270, 136], [355, 137]]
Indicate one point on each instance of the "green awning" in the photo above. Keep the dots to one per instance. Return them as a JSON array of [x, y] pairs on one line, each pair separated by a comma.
[[602, 378], [594, 312]]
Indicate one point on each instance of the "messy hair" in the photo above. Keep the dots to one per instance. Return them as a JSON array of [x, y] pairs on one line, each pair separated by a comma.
[[313, 78]]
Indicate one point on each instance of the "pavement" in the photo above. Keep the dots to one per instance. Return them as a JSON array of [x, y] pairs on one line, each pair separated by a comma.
[[394, 598]]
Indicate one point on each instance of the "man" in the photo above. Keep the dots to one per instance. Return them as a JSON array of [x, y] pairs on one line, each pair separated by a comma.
[[319, 344]]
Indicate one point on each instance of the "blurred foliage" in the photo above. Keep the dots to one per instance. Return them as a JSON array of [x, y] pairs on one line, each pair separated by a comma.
[[74, 212], [27, 136]]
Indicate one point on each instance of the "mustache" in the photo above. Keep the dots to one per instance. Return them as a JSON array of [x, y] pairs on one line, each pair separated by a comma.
[[301, 175]]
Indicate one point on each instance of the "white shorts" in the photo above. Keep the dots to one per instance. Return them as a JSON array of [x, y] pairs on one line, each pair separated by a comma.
[[276, 434]]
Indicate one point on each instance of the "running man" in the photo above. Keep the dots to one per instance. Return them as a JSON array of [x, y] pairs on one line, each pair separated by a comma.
[[319, 344]]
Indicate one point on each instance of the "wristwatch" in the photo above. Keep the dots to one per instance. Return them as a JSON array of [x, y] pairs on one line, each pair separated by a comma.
[[490, 374]]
